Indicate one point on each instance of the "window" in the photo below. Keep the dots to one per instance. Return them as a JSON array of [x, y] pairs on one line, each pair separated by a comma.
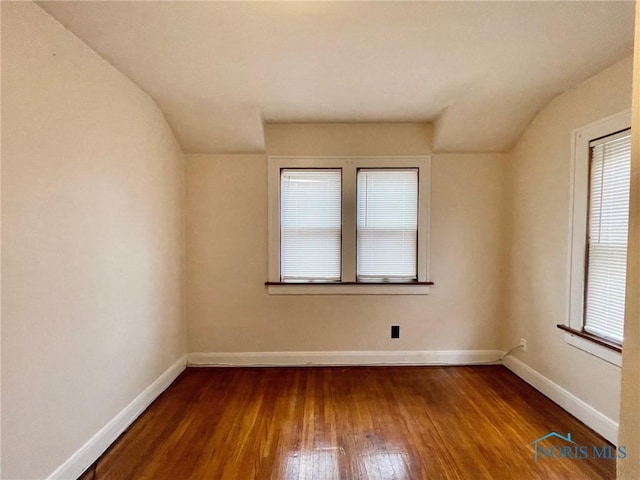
[[387, 225], [348, 225], [602, 164], [608, 227], [310, 225]]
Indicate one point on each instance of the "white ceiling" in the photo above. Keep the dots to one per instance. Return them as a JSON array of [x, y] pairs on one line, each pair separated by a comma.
[[479, 70]]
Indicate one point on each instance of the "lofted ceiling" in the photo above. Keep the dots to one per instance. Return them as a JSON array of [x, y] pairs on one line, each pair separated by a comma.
[[478, 70]]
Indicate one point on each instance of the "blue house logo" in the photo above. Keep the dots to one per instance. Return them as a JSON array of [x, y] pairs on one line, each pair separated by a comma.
[[544, 452], [565, 448]]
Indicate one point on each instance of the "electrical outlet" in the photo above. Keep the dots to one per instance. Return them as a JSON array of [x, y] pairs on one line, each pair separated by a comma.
[[395, 331], [523, 344]]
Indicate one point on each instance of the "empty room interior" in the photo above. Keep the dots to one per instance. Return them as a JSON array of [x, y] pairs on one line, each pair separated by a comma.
[[320, 240]]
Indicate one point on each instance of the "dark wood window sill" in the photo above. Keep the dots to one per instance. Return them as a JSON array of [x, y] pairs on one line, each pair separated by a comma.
[[587, 336], [334, 284]]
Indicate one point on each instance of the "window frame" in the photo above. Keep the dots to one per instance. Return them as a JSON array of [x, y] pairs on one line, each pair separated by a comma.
[[574, 332], [349, 166]]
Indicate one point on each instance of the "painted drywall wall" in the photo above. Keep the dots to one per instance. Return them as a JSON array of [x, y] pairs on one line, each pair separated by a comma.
[[539, 219], [345, 139], [92, 246], [629, 468], [229, 309], [0, 268]]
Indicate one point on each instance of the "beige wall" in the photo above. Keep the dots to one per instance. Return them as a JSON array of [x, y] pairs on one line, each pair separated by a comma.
[[539, 220], [344, 139], [629, 468], [230, 311], [0, 262], [92, 246]]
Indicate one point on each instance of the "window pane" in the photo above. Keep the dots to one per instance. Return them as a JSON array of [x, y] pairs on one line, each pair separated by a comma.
[[387, 225], [310, 225], [607, 241]]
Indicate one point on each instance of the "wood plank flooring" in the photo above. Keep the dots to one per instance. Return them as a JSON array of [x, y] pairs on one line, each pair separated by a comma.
[[348, 423]]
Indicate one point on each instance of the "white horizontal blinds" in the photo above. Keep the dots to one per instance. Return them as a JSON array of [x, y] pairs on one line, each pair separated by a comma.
[[607, 239], [310, 225], [387, 225]]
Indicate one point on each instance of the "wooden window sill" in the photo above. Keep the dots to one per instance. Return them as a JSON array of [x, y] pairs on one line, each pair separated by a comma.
[[587, 336], [596, 346], [348, 288]]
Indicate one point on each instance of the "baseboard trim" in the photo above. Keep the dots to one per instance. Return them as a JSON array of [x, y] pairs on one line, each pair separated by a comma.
[[295, 359], [572, 404], [96, 446]]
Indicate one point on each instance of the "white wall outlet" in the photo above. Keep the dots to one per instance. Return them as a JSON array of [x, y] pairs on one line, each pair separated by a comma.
[[523, 344]]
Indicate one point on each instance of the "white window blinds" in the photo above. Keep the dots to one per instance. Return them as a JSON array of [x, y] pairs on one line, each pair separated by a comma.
[[310, 225], [387, 225], [607, 236]]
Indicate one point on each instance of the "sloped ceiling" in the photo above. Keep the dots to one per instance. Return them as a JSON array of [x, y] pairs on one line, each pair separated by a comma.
[[478, 70]]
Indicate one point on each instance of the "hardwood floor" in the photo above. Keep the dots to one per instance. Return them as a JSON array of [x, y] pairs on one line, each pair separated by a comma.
[[349, 423]]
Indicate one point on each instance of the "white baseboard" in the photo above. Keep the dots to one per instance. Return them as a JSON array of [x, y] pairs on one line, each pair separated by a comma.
[[572, 404], [96, 446], [441, 357]]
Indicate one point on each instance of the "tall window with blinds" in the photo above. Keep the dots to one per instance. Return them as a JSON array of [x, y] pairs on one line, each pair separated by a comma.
[[608, 222], [387, 225], [310, 223]]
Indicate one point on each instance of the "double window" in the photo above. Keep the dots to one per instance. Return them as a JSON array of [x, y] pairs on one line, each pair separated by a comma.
[[602, 175], [350, 223]]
